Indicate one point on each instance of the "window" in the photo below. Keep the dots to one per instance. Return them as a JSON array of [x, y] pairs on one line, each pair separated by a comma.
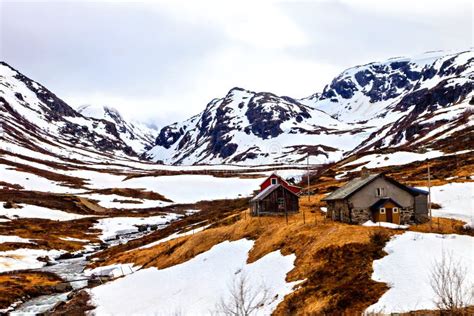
[[382, 210], [274, 180], [380, 192], [395, 210]]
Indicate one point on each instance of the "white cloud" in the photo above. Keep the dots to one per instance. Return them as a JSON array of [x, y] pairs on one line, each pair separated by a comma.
[[165, 60]]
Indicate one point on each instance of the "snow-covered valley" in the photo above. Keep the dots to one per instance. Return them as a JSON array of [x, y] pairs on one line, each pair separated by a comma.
[[118, 218]]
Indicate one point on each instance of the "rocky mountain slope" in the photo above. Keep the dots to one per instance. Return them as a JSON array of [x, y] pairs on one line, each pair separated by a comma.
[[138, 136], [418, 103], [403, 102], [34, 119], [254, 128]]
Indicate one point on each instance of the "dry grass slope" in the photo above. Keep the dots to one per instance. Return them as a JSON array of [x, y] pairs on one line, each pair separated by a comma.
[[334, 259], [20, 284]]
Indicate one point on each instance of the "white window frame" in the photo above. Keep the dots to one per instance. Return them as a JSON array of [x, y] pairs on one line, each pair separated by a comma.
[[395, 210], [379, 192], [274, 181], [382, 210]]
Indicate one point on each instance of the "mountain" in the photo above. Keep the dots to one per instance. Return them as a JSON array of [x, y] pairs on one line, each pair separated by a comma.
[[415, 102], [34, 118], [419, 103], [403, 102], [254, 128], [136, 135]]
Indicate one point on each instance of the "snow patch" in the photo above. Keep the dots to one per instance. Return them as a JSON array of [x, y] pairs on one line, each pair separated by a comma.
[[407, 267], [196, 286]]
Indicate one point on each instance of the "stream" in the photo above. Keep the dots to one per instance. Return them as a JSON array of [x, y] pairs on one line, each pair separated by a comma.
[[70, 270]]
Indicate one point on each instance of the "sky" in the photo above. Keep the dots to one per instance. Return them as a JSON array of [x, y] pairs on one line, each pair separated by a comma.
[[162, 61]]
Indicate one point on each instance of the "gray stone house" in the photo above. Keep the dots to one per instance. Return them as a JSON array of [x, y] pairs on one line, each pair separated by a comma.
[[378, 198]]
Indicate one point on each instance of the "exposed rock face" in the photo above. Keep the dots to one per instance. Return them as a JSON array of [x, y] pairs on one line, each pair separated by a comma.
[[388, 104], [401, 103], [36, 118], [247, 127], [138, 136]]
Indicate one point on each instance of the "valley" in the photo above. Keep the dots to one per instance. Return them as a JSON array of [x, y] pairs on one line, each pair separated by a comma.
[[105, 216]]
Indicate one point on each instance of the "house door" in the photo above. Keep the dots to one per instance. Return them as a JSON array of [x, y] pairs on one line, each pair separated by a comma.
[[389, 215]]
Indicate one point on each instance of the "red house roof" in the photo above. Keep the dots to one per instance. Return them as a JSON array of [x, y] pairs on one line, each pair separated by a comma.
[[276, 179]]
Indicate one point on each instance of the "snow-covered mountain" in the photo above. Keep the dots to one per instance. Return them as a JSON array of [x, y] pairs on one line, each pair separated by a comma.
[[402, 102], [409, 102], [35, 119], [137, 135], [254, 128]]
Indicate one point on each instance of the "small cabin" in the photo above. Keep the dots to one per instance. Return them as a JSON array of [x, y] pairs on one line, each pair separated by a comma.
[[276, 179], [378, 198], [275, 199]]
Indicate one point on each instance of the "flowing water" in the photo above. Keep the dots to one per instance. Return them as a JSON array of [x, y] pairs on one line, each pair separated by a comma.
[[71, 270]]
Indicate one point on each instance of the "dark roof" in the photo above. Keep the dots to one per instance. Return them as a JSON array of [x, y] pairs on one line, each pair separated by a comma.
[[264, 193], [382, 202], [356, 184], [417, 191], [351, 187]]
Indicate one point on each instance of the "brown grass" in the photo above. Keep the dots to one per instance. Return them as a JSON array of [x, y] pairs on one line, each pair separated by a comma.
[[459, 167], [78, 305], [47, 233], [70, 181], [10, 186], [240, 173], [63, 202], [323, 249], [441, 225], [210, 212], [468, 311], [133, 193], [19, 284]]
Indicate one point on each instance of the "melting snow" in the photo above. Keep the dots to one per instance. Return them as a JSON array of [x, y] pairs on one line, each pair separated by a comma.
[[33, 211], [456, 199], [20, 259], [113, 226], [196, 286], [385, 224], [4, 238], [408, 265]]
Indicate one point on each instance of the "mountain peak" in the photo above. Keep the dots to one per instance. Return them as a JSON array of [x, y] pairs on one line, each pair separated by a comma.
[[99, 112]]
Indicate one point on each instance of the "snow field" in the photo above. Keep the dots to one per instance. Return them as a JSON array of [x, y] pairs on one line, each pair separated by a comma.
[[456, 200], [21, 259], [407, 269], [113, 226], [6, 238], [33, 211], [196, 286]]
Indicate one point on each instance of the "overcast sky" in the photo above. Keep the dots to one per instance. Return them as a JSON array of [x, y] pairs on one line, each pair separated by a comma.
[[163, 61]]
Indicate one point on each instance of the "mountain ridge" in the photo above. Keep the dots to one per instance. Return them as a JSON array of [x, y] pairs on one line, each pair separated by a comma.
[[399, 103], [375, 106]]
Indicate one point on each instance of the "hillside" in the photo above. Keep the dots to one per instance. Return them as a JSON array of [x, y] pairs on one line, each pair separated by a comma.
[[405, 103], [33, 119], [253, 128], [86, 226], [136, 135]]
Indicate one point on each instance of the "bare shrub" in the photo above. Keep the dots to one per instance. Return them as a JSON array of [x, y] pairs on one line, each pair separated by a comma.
[[379, 237], [448, 281], [244, 298]]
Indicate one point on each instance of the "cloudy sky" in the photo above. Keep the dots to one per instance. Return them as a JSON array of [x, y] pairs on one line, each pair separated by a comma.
[[162, 61]]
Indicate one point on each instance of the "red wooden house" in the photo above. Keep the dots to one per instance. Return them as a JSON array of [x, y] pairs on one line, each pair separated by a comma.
[[276, 179]]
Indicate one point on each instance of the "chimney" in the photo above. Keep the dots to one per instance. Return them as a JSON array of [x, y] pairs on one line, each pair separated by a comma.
[[364, 172]]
